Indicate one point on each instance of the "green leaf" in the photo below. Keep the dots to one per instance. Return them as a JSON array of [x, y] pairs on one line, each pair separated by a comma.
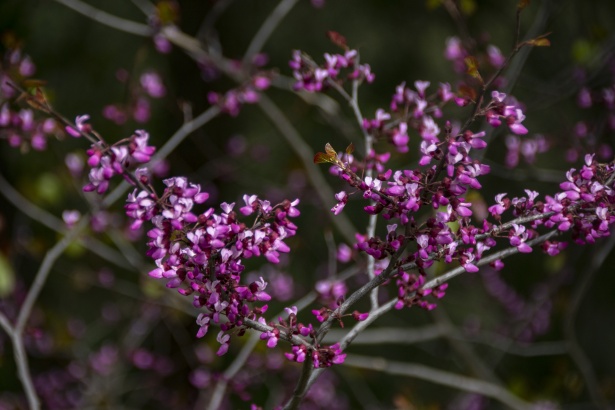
[[7, 277]]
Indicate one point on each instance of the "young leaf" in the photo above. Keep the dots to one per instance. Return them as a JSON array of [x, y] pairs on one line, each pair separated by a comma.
[[472, 66], [523, 4], [330, 151], [350, 149], [337, 39], [321, 158], [330, 155], [539, 42]]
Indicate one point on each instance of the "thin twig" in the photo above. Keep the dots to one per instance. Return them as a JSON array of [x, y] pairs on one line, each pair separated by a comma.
[[305, 154], [264, 32], [107, 19], [576, 351], [440, 377]]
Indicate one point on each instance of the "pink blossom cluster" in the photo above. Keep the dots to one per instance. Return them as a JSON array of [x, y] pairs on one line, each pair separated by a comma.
[[592, 136], [107, 161], [583, 207], [321, 356], [231, 101], [19, 127], [149, 86], [337, 68], [201, 254], [456, 52]]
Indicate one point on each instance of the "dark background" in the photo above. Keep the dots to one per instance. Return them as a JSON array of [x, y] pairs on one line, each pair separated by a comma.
[[402, 41]]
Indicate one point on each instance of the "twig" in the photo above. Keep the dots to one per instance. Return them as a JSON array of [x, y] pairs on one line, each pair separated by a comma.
[[305, 154], [166, 149], [574, 348], [440, 377], [243, 355], [16, 332], [389, 335], [107, 19], [266, 29]]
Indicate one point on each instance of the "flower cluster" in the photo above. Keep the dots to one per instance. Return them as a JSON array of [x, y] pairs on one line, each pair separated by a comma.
[[231, 101], [490, 55], [107, 161], [150, 86], [592, 136], [19, 127], [584, 206], [322, 356], [337, 68], [201, 254]]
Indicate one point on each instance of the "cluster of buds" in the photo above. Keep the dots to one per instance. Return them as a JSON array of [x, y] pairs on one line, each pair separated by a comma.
[[231, 101], [337, 68], [19, 127]]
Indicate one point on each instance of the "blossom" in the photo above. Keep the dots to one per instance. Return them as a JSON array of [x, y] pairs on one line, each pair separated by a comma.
[[81, 126]]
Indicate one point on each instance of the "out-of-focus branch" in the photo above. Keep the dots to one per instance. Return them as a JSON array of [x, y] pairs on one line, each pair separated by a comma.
[[305, 154], [54, 223], [574, 347], [267, 28], [243, 355], [389, 335], [179, 135], [16, 332], [373, 315], [440, 377], [475, 363], [107, 19]]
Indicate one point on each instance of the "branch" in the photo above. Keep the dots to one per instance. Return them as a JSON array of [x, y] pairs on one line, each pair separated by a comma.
[[107, 19], [172, 143], [305, 154], [266, 29], [16, 332], [574, 348], [448, 379]]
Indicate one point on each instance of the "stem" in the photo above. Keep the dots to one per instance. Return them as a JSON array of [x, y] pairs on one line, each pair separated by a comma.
[[267, 28], [107, 19]]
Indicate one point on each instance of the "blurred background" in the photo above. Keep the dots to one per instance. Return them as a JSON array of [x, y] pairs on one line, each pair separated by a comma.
[[105, 334]]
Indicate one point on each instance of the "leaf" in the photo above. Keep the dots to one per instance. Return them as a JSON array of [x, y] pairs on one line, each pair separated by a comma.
[[467, 92], [329, 156], [467, 7], [329, 150], [7, 277], [539, 42], [523, 4], [38, 101], [337, 39], [350, 149], [472, 66], [168, 12], [321, 158]]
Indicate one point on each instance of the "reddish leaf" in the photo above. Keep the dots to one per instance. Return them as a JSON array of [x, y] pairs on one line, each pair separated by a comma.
[[337, 39], [539, 42], [330, 155], [330, 151], [523, 4], [467, 92]]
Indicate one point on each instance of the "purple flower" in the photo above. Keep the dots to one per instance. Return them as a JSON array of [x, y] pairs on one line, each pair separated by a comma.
[[82, 127]]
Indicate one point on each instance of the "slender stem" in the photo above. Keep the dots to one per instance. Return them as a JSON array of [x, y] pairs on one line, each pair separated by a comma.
[[576, 352], [179, 135], [107, 19], [440, 377], [267, 28], [16, 332], [305, 154], [239, 361]]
